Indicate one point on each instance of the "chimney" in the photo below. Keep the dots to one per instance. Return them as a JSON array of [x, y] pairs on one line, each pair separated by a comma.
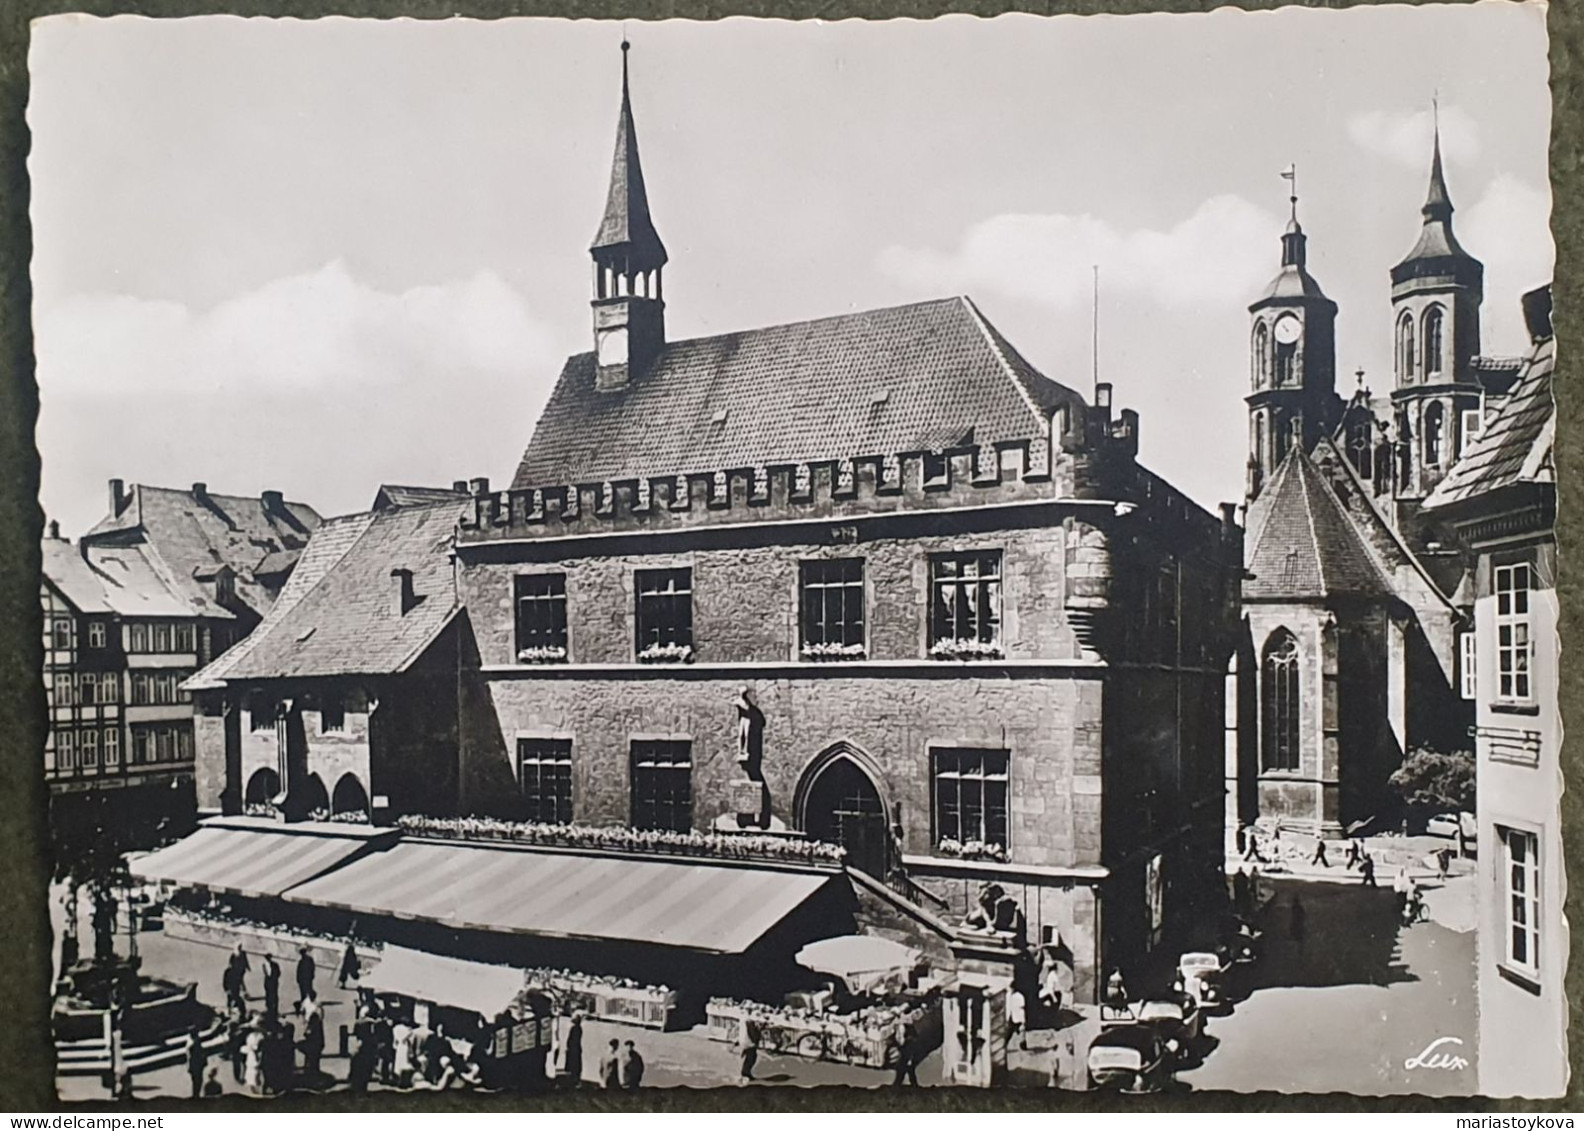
[[402, 598], [1228, 517], [459, 486], [200, 491], [274, 502], [118, 498], [54, 530], [478, 487], [1537, 313]]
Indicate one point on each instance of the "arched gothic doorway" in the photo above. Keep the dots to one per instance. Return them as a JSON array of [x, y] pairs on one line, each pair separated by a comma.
[[842, 805], [349, 796]]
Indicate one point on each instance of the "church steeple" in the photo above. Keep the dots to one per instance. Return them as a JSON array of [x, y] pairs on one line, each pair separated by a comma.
[[1292, 358], [1436, 294], [629, 307]]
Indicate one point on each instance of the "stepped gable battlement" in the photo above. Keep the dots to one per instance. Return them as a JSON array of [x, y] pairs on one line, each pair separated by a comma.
[[1097, 466], [819, 489]]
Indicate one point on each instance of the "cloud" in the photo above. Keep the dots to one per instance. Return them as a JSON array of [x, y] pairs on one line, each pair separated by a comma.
[[294, 334], [317, 384], [1508, 229], [1406, 137], [1219, 255]]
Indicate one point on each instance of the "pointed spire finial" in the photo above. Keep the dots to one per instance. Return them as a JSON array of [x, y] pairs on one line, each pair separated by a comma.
[[1438, 203], [626, 229], [1290, 175]]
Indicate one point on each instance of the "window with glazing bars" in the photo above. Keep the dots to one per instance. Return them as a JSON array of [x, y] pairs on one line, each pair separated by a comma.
[[1520, 876], [965, 597], [662, 785], [1512, 584], [1279, 697], [833, 607], [541, 617], [665, 611], [971, 796], [545, 774]]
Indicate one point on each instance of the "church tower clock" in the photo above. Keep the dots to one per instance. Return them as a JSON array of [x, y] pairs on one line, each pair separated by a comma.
[[1292, 361]]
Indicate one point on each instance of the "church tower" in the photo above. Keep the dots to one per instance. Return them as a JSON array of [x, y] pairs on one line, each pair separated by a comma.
[[629, 306], [1436, 295], [1292, 361]]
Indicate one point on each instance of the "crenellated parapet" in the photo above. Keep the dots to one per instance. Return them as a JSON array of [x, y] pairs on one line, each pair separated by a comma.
[[959, 477]]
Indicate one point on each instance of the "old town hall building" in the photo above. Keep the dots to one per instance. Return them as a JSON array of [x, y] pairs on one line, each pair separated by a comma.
[[871, 580], [1358, 634]]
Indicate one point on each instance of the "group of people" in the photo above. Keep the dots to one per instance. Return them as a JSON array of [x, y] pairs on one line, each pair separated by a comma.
[[401, 1052]]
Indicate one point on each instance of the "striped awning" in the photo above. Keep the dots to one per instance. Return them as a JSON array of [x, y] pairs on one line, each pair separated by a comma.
[[476, 986], [248, 861], [705, 907]]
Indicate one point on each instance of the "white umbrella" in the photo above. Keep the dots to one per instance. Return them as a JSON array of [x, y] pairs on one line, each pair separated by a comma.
[[860, 959]]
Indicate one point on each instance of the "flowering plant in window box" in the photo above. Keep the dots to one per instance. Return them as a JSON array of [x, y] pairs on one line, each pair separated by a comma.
[[965, 650], [548, 654], [616, 839], [972, 850], [833, 651], [666, 654]]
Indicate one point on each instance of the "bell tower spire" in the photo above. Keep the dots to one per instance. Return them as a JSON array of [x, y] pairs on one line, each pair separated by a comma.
[[629, 307]]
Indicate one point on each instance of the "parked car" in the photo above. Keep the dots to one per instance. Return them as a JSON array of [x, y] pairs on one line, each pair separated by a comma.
[[1203, 973], [1130, 1058], [1176, 1016], [1451, 825]]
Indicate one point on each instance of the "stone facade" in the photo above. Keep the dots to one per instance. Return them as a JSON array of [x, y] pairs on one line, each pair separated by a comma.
[[1106, 693]]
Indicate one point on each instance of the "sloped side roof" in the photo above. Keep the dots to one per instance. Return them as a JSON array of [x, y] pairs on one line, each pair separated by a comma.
[[1507, 447], [1306, 545], [328, 546], [872, 383], [113, 579], [194, 537], [344, 624], [397, 495]]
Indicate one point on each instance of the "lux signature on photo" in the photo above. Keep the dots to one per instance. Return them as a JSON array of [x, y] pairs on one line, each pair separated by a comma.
[[1432, 1057]]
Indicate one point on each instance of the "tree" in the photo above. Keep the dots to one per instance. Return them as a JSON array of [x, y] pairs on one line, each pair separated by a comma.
[[1431, 781]]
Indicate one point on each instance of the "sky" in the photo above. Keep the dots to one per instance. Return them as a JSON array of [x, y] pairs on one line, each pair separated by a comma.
[[317, 256]]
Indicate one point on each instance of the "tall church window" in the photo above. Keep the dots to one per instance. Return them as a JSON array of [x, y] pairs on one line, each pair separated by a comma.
[[1259, 440], [1261, 356], [1286, 363], [1279, 702], [1434, 434], [1405, 348], [1361, 448], [1433, 323]]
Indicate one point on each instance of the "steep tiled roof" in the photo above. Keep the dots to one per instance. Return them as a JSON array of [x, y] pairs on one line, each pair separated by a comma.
[[396, 495], [335, 616], [1512, 446], [874, 383], [1305, 545], [113, 579], [193, 536]]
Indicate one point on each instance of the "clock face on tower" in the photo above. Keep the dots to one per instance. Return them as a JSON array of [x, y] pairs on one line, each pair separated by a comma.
[[1288, 329]]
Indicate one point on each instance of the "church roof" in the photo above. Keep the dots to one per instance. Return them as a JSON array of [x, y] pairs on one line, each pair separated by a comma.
[[1306, 546], [922, 377], [626, 226], [1437, 251], [1514, 444]]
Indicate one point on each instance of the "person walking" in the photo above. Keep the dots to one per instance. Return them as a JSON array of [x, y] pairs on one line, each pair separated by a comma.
[[313, 1040], [272, 977], [349, 969], [1367, 869], [1443, 859], [1353, 853], [306, 969], [572, 1052], [630, 1068], [234, 981], [1017, 1016], [197, 1063], [747, 1049], [906, 1056], [236, 1040], [1320, 854], [253, 1059], [610, 1068], [1296, 921]]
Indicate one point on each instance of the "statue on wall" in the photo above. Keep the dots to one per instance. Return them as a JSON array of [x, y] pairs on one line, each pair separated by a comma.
[[750, 731]]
